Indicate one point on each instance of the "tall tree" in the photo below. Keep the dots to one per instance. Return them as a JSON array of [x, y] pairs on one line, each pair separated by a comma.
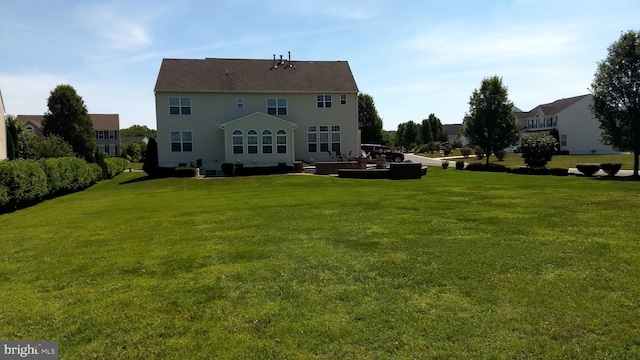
[[491, 123], [14, 128], [68, 118], [425, 131], [616, 95], [408, 134], [369, 122], [437, 129], [138, 130]]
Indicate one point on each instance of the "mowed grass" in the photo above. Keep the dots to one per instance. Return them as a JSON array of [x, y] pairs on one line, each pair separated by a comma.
[[455, 265], [562, 161]]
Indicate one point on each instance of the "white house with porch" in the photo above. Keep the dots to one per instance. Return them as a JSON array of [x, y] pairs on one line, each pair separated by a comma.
[[254, 112]]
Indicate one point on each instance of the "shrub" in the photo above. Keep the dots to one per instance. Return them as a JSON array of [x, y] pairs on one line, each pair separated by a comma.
[[424, 148], [500, 154], [537, 149], [227, 169], [184, 172], [588, 169], [490, 168], [151, 158], [559, 171], [466, 151], [479, 152], [24, 180], [446, 148], [445, 164], [520, 171], [611, 168], [459, 165], [113, 166]]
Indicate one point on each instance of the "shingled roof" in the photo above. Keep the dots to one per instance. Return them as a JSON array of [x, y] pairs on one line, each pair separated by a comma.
[[244, 75], [100, 121], [557, 106]]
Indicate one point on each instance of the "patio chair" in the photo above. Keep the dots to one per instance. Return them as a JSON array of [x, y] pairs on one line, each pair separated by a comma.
[[332, 157]]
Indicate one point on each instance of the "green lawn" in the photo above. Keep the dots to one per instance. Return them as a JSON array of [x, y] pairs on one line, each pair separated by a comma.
[[455, 265], [558, 161]]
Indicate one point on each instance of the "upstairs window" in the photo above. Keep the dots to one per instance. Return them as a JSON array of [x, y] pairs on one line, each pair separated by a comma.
[[181, 141], [239, 103], [112, 134], [179, 106], [343, 99], [323, 101], [277, 107]]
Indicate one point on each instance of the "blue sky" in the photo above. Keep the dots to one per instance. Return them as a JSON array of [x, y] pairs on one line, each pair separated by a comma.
[[413, 57]]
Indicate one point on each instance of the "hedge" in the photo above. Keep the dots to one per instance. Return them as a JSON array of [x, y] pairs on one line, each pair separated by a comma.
[[24, 182], [114, 166]]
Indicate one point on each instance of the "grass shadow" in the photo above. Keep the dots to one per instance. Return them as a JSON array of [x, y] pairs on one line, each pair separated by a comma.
[[138, 179]]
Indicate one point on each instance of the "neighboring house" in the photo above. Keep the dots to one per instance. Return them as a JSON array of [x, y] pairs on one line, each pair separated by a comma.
[[106, 126], [254, 112], [454, 132], [578, 129], [3, 131]]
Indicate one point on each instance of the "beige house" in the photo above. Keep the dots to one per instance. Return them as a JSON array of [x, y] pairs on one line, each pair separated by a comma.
[[106, 126], [254, 112], [3, 131], [578, 129]]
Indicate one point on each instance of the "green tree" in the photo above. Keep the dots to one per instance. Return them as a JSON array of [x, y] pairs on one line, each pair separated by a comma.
[[369, 122], [134, 151], [138, 130], [68, 118], [616, 95], [437, 129], [151, 164], [537, 149], [35, 147], [14, 128], [491, 123], [408, 134], [425, 131]]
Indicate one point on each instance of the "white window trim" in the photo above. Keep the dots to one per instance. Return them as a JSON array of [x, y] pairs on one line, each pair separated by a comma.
[[262, 144], [182, 142], [239, 103], [327, 99], [180, 107], [278, 107]]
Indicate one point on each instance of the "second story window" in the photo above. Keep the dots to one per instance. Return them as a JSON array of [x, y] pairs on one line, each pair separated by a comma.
[[343, 99], [323, 101], [239, 103], [277, 107], [180, 106]]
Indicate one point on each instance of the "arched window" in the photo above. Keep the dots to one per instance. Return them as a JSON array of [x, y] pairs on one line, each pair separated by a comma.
[[252, 142], [281, 142], [31, 129], [267, 142], [236, 137]]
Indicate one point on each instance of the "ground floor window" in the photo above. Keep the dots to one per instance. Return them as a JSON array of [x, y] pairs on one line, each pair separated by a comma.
[[237, 140], [281, 142], [267, 142], [181, 141], [324, 138], [563, 140], [252, 142]]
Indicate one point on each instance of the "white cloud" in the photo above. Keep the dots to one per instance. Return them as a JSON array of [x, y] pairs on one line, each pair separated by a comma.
[[121, 28]]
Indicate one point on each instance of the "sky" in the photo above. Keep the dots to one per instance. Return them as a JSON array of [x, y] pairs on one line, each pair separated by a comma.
[[414, 57]]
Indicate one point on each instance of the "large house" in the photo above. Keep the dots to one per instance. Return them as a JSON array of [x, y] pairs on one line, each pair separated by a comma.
[[106, 126], [254, 112], [578, 129], [3, 131]]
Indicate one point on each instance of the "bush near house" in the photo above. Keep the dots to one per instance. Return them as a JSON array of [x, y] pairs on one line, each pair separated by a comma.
[[466, 151], [588, 169], [24, 182], [537, 149], [611, 168]]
